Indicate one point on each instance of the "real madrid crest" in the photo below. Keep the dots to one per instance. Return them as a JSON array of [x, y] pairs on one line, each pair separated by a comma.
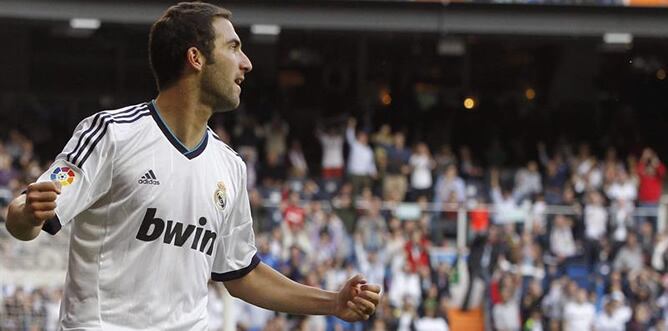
[[220, 196]]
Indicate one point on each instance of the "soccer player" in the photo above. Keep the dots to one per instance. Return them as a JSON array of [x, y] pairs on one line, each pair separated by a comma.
[[158, 205]]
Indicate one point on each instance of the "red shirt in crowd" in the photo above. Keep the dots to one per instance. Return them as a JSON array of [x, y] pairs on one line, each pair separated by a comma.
[[417, 254], [294, 215], [479, 217], [649, 188]]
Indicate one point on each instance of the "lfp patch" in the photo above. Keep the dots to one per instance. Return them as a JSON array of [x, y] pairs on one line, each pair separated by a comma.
[[64, 175]]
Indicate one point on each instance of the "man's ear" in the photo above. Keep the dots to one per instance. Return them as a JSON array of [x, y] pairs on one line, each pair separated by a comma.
[[195, 59]]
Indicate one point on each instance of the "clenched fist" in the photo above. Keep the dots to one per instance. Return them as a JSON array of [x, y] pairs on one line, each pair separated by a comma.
[[40, 203]]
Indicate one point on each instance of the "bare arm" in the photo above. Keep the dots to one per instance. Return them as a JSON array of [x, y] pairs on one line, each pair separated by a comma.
[[29, 211], [267, 288]]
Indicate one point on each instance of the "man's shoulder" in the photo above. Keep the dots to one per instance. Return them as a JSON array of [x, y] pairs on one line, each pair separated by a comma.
[[99, 132], [225, 150], [103, 120]]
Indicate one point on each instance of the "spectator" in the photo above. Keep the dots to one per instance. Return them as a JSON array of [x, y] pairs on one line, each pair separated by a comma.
[[361, 166], [554, 301], [641, 320], [417, 251], [562, 243], [450, 184], [405, 287], [623, 190], [431, 322], [662, 300], [478, 215], [535, 321], [651, 172], [630, 256], [556, 175], [596, 222], [398, 168], [293, 226], [531, 300], [396, 241], [469, 168], [343, 206], [324, 248], [17, 308], [295, 264], [7, 172], [298, 166], [276, 134], [531, 262], [596, 216], [527, 182], [444, 158], [579, 314], [572, 206], [407, 316], [264, 252], [485, 253], [506, 207], [372, 227], [506, 314], [340, 236], [611, 159], [331, 142], [371, 262], [622, 194], [660, 254], [615, 314], [646, 238], [421, 165], [383, 137]]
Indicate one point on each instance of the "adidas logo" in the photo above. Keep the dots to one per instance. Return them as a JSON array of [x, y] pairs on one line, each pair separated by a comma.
[[149, 178]]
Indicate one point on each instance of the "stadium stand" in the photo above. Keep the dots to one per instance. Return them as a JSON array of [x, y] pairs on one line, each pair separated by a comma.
[[567, 233]]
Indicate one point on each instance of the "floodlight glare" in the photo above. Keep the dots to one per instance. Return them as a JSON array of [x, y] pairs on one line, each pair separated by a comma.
[[85, 23]]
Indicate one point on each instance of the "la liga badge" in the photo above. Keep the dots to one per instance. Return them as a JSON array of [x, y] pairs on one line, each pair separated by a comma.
[[64, 175]]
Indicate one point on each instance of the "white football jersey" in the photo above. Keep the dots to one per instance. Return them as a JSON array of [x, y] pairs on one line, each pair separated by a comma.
[[152, 222]]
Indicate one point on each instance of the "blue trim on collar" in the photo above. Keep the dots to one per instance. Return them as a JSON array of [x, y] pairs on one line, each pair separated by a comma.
[[190, 154]]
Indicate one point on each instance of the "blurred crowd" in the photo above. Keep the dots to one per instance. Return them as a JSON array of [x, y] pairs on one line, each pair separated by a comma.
[[567, 241]]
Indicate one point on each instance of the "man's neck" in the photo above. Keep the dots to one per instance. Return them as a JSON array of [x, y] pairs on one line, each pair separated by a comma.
[[184, 114]]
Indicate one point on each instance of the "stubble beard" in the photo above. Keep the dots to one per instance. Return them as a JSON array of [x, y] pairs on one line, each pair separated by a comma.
[[220, 95]]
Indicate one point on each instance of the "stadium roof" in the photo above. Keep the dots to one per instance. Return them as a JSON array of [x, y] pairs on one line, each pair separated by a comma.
[[375, 16]]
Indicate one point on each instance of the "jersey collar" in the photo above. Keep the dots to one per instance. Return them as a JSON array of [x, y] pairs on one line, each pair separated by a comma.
[[190, 154]]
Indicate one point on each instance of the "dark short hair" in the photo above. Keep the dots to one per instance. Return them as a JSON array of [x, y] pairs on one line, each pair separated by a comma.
[[185, 25]]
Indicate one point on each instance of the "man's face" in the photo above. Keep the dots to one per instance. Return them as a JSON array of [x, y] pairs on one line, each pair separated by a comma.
[[225, 68]]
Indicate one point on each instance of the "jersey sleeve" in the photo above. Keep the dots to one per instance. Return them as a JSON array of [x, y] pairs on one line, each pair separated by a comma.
[[83, 168], [236, 254]]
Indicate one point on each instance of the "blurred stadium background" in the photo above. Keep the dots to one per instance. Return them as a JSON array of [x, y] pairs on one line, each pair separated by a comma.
[[527, 195]]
